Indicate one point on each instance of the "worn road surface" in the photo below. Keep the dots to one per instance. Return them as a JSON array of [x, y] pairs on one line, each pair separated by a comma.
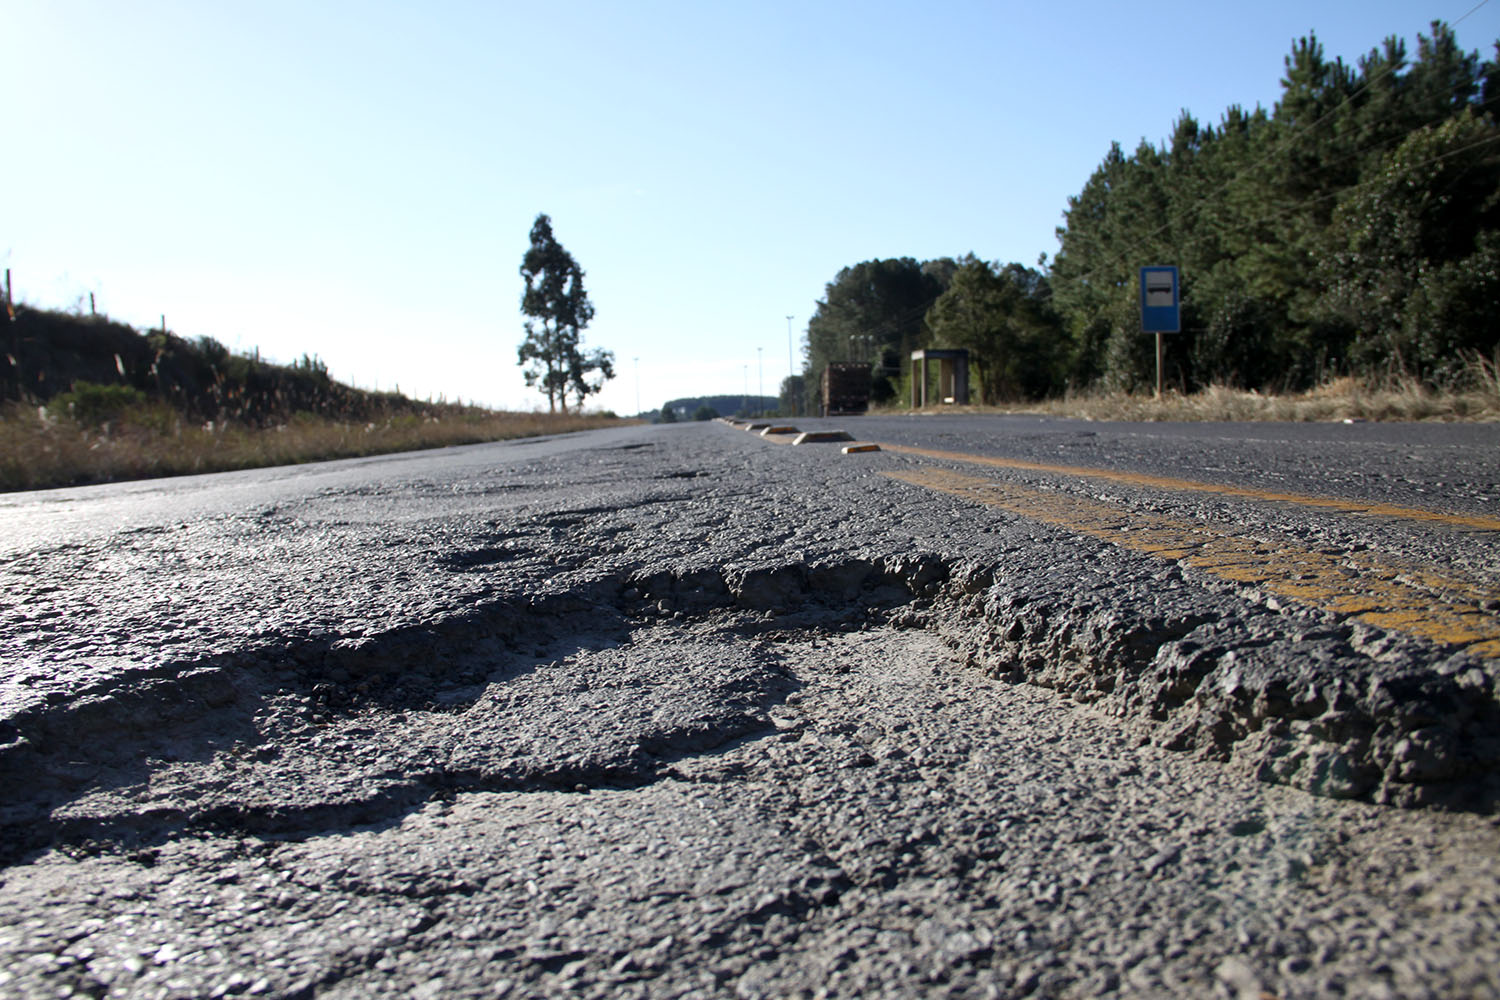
[[1013, 707]]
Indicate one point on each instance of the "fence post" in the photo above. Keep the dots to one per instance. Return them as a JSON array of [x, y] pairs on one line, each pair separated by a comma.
[[15, 338]]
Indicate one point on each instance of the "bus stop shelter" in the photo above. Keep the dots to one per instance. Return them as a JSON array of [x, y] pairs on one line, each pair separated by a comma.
[[952, 372]]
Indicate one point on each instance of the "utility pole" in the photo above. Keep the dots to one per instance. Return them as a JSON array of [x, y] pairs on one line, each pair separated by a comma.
[[15, 337], [760, 367], [791, 366], [637, 386]]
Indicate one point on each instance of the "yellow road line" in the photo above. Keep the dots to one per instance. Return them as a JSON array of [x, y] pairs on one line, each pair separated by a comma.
[[1477, 521], [1382, 592]]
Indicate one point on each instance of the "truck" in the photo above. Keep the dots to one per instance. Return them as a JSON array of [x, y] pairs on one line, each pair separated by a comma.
[[846, 388]]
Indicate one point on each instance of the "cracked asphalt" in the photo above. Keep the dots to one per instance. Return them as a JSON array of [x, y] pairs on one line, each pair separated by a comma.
[[674, 711]]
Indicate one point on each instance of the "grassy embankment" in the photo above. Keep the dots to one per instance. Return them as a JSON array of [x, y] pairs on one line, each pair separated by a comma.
[[1474, 397], [41, 448], [91, 400]]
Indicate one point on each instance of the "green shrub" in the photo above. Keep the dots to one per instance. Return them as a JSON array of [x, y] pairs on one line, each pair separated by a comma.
[[90, 404]]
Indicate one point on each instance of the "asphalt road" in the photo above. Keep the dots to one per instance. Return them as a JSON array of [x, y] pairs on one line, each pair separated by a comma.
[[1448, 467], [1015, 707]]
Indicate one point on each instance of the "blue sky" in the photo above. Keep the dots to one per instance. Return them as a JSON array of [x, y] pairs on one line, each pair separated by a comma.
[[357, 180]]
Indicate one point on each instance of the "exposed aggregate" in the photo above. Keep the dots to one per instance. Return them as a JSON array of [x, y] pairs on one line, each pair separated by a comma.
[[677, 713]]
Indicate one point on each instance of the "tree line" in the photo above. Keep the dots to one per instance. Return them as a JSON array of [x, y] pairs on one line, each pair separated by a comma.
[[1354, 229]]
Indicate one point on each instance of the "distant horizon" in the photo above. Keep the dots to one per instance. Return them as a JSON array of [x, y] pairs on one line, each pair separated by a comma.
[[590, 405]]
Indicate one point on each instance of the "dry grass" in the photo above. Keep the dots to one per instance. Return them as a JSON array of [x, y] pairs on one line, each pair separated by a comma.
[[1346, 398], [39, 451]]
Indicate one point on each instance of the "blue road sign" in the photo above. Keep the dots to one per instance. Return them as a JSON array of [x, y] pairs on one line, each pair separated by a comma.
[[1161, 310]]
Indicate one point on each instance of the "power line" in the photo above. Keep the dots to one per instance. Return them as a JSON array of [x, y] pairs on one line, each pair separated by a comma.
[[1472, 9]]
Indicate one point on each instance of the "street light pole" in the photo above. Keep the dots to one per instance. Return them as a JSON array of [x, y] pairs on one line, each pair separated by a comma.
[[637, 386], [760, 369], [791, 366]]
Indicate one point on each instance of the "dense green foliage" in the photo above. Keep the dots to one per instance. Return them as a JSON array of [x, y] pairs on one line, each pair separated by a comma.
[[1352, 229], [792, 398], [1004, 317], [94, 405], [557, 309], [872, 312]]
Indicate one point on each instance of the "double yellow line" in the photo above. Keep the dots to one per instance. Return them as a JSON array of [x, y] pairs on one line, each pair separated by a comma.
[[1477, 521], [1365, 585]]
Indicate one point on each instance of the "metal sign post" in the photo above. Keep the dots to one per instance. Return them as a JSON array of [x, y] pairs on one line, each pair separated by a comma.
[[1161, 308]]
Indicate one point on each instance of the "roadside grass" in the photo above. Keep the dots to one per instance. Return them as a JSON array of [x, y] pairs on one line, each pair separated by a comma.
[[1475, 397], [40, 448], [1342, 399]]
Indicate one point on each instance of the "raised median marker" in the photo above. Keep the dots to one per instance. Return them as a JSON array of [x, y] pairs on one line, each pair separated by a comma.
[[814, 437]]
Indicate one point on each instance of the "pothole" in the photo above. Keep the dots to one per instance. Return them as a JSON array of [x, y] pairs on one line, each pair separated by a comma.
[[612, 684]]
